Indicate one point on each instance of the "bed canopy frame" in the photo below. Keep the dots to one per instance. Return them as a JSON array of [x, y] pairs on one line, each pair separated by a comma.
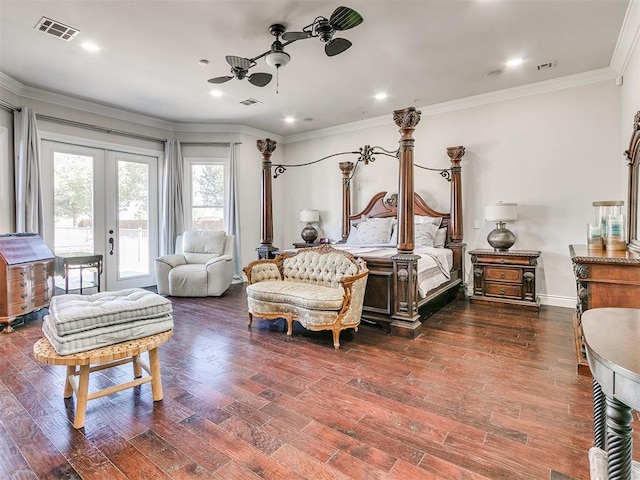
[[396, 276]]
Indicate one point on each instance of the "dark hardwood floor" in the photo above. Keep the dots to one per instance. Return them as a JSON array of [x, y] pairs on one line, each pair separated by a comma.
[[483, 393]]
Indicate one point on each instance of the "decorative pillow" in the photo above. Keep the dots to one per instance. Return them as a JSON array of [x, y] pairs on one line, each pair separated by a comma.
[[425, 234], [374, 230], [393, 241], [419, 219], [441, 238], [353, 234]]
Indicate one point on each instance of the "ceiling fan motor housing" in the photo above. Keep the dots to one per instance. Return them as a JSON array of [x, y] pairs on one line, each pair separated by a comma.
[[324, 30]]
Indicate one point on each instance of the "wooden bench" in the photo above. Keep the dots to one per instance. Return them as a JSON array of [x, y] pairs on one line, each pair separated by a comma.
[[82, 364]]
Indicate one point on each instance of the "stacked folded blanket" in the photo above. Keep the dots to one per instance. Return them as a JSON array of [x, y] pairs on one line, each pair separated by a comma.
[[77, 323]]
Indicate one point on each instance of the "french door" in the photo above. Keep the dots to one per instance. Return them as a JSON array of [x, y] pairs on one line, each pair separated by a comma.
[[103, 201]]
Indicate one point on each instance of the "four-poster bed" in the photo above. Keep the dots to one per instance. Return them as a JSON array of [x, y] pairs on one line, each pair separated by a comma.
[[393, 298]]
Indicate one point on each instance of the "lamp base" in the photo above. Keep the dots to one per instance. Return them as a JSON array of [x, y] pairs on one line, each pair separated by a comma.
[[309, 233], [500, 238]]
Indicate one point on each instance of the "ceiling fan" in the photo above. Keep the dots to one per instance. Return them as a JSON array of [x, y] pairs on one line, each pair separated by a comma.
[[342, 18], [275, 57]]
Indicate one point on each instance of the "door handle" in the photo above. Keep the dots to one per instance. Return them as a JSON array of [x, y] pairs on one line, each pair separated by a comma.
[[111, 242]]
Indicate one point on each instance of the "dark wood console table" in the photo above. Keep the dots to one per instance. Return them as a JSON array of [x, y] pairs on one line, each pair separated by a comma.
[[604, 278], [79, 261], [611, 337]]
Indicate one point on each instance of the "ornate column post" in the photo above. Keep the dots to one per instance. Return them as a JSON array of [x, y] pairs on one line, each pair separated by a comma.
[[347, 168], [266, 248], [406, 319], [455, 223]]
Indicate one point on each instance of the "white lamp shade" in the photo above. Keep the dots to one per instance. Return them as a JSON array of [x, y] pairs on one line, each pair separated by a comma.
[[277, 59], [309, 216], [501, 212]]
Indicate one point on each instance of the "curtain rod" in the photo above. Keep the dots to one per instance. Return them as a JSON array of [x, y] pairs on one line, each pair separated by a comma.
[[98, 128], [112, 131], [209, 144], [8, 106]]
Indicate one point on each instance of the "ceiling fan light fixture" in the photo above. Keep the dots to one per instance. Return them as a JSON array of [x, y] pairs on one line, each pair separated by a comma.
[[277, 59]]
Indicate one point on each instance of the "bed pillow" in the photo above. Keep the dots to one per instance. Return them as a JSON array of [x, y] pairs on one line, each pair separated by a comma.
[[353, 233], [420, 219], [425, 234], [374, 231], [441, 238]]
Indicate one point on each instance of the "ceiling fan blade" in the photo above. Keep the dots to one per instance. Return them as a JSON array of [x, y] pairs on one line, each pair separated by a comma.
[[260, 79], [238, 62], [336, 46], [289, 36], [344, 18], [220, 79]]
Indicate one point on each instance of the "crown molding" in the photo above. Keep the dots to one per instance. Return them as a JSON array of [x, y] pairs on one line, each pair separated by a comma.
[[569, 81], [10, 84], [627, 39]]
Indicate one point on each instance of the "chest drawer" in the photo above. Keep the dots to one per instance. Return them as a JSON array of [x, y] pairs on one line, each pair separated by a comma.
[[503, 290], [503, 274]]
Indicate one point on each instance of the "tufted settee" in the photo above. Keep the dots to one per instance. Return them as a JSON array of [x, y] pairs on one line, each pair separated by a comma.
[[322, 288]]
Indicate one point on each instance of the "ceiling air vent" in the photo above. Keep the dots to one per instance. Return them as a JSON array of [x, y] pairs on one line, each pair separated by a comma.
[[57, 29], [546, 66], [250, 101]]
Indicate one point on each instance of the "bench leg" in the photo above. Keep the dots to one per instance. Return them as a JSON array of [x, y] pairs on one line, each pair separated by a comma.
[[68, 388], [336, 338], [156, 379], [250, 320], [81, 401], [137, 369]]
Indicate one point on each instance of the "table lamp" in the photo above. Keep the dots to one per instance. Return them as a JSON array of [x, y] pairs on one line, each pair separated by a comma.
[[309, 216], [500, 238]]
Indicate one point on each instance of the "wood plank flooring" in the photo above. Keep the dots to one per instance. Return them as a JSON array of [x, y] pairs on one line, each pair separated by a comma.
[[483, 393]]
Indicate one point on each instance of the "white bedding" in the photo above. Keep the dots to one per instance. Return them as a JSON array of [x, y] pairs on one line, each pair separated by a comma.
[[434, 265]]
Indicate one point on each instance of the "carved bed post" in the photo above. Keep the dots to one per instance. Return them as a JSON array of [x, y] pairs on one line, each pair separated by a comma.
[[406, 319], [266, 248], [347, 168], [455, 223]]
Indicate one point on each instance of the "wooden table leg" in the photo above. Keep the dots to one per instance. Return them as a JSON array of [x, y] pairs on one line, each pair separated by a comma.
[[81, 401], [599, 417], [156, 379], [619, 441]]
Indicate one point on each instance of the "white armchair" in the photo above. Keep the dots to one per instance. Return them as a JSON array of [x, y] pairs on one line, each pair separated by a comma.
[[201, 267]]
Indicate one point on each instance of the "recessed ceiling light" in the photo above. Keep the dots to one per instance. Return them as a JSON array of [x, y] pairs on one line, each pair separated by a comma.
[[215, 93], [515, 62], [204, 62], [494, 73], [289, 119], [90, 47], [381, 95]]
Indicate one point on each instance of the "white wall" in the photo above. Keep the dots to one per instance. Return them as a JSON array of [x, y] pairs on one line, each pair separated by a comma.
[[552, 153]]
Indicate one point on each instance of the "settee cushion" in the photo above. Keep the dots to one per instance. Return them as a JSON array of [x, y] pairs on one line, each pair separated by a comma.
[[310, 297]]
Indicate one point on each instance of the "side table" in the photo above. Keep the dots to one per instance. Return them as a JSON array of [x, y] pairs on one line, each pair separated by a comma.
[[78, 261], [507, 278]]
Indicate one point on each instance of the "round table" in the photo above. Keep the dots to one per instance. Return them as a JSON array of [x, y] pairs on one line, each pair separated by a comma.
[[612, 341]]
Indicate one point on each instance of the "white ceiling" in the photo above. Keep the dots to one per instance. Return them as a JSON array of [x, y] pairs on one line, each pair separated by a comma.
[[421, 52]]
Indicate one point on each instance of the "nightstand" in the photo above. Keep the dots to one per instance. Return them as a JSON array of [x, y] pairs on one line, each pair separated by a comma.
[[507, 278], [306, 245]]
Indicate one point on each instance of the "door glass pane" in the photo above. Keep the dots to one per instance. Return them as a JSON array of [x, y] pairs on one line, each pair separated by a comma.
[[133, 219], [73, 203], [207, 202]]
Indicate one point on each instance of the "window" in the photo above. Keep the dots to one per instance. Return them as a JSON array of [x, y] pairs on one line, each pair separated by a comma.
[[205, 194]]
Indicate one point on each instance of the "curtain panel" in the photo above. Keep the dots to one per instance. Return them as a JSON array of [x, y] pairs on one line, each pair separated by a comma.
[[27, 167], [172, 195]]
